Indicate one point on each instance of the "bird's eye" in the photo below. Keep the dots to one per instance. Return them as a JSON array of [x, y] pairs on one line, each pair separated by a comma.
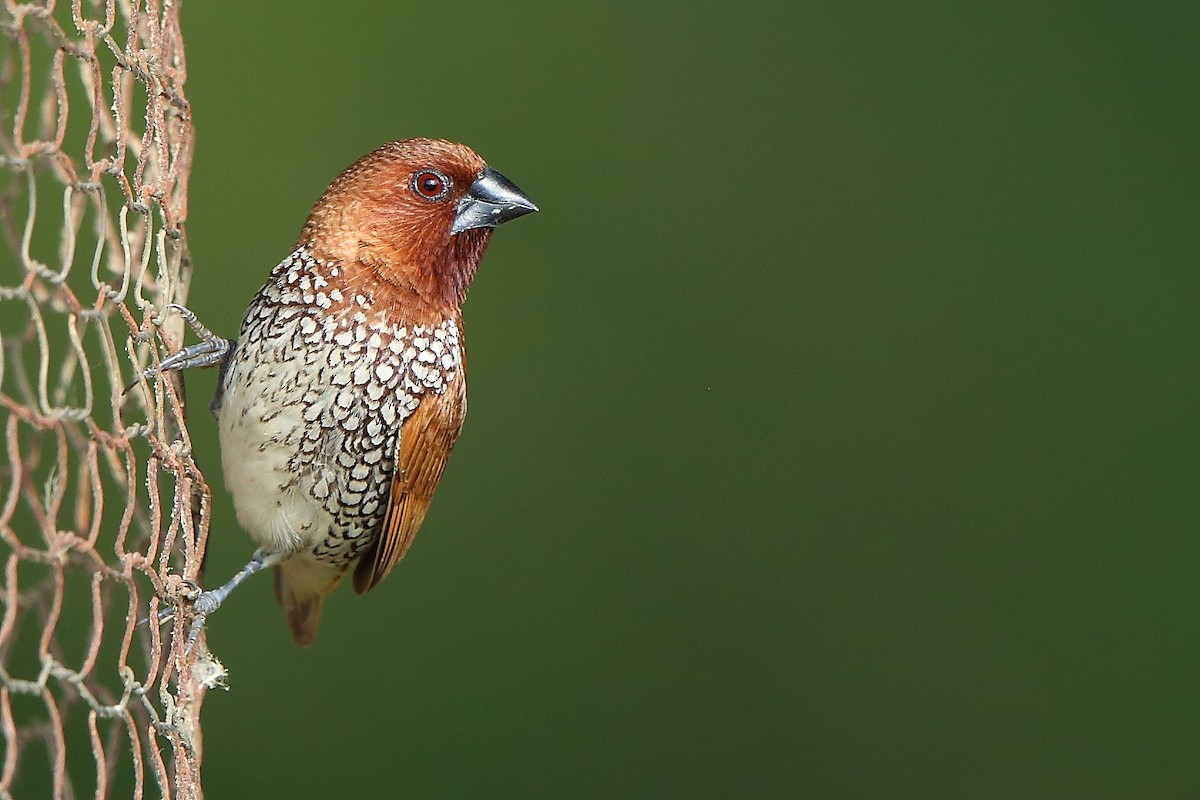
[[431, 185]]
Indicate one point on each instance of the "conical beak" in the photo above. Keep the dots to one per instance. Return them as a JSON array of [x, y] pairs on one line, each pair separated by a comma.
[[492, 200]]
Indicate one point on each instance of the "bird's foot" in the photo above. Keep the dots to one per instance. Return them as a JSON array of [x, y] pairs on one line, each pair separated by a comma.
[[211, 350], [205, 604], [192, 590]]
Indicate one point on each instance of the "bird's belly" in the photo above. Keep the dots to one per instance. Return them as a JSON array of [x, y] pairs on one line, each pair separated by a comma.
[[260, 442], [308, 427]]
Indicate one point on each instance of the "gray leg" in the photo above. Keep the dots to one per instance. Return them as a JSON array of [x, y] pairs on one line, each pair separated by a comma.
[[210, 601], [211, 351]]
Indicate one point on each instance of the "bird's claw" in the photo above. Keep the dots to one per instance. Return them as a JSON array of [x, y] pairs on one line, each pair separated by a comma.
[[191, 590], [205, 604], [194, 632], [193, 322], [211, 350]]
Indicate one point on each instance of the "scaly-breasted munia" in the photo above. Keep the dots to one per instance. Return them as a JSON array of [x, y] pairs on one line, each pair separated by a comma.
[[340, 399]]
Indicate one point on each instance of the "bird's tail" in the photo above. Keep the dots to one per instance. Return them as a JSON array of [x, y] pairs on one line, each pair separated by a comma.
[[300, 588]]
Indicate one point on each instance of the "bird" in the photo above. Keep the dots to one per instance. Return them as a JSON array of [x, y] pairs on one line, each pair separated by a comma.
[[339, 401]]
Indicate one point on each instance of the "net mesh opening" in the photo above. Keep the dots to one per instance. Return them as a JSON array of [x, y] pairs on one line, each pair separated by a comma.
[[103, 511]]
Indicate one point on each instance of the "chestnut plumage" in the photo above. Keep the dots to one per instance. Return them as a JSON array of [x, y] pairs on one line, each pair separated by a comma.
[[345, 390]]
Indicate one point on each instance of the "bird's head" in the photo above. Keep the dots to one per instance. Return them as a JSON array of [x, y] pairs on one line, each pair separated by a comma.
[[417, 213]]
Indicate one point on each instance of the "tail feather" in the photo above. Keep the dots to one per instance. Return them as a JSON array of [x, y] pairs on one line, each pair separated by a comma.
[[300, 589]]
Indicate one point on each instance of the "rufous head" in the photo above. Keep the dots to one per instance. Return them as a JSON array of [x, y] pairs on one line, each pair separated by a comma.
[[416, 213]]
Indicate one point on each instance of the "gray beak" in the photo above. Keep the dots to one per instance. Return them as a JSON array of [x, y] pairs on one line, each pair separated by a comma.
[[492, 200]]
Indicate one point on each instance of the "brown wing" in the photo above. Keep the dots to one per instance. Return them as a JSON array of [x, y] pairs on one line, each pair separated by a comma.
[[425, 441]]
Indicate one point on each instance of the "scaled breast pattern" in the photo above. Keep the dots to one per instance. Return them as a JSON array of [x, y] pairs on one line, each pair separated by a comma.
[[324, 382]]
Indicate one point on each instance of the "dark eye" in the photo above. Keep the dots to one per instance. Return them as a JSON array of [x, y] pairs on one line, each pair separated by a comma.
[[431, 185]]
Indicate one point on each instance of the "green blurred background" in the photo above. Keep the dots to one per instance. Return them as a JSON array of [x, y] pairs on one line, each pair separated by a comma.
[[832, 428]]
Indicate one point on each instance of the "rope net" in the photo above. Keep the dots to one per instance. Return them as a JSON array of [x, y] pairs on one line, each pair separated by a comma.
[[102, 509]]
